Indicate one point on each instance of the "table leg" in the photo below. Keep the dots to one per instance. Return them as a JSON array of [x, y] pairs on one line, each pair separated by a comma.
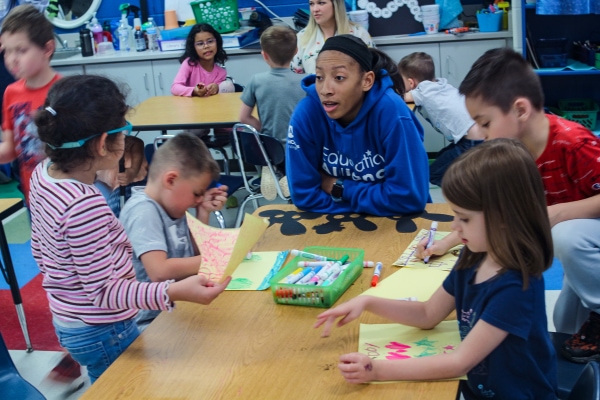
[[8, 272]]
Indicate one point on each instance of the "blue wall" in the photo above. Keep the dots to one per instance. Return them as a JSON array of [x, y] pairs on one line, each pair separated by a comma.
[[109, 9]]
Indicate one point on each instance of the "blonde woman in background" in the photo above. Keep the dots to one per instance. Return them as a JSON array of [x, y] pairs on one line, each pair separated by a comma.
[[327, 18]]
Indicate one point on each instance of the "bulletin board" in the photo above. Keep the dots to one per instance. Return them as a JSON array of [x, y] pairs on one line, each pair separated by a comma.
[[393, 17]]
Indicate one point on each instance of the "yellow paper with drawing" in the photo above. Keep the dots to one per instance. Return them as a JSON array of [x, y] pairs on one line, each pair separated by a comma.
[[222, 250], [409, 282], [445, 262], [256, 272], [398, 342]]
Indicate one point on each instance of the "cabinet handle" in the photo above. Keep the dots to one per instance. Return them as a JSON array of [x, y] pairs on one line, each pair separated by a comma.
[[146, 82], [448, 65], [160, 84]]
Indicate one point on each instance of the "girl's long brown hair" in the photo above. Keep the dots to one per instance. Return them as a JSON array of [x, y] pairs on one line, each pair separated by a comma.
[[501, 179]]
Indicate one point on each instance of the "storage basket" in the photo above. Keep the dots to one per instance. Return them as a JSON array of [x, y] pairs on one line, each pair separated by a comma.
[[317, 296], [490, 22], [552, 53], [583, 111], [220, 14]]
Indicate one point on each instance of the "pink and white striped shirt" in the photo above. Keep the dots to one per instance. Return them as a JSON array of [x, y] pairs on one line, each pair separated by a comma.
[[84, 254]]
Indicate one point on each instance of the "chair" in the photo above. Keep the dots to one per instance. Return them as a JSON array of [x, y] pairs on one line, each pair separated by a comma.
[[232, 182], [251, 147], [218, 142], [12, 384], [575, 381]]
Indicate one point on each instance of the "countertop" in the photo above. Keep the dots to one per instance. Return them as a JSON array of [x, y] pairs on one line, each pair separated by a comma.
[[379, 41]]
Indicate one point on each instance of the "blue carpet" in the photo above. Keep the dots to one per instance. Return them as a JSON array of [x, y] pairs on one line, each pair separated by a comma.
[[25, 267]]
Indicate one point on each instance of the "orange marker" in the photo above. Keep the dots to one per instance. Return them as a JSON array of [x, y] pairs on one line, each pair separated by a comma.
[[376, 274]]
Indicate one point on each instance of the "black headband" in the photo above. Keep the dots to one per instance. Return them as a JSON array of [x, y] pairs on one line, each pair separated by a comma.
[[352, 46]]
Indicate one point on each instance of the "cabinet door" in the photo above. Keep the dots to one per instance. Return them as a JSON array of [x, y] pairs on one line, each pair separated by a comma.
[[433, 140], [458, 57], [69, 70], [135, 76], [164, 73]]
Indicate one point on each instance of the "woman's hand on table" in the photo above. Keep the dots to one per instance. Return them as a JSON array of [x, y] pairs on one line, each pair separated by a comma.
[[327, 182]]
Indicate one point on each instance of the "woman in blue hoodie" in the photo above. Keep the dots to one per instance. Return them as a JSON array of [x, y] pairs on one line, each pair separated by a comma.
[[353, 144]]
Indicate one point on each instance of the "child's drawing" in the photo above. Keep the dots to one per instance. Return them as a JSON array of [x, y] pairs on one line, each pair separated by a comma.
[[445, 262]]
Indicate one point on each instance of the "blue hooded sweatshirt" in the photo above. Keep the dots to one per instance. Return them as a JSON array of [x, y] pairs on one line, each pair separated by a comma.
[[379, 156]]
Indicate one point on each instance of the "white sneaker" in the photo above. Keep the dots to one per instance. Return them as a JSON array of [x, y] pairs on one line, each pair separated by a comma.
[[285, 189], [267, 184]]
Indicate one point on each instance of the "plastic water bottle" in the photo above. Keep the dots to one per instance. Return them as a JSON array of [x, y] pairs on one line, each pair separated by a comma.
[[152, 34], [123, 32]]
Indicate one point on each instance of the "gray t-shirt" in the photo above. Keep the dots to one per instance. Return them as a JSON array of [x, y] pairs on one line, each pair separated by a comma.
[[444, 107], [150, 228], [275, 93]]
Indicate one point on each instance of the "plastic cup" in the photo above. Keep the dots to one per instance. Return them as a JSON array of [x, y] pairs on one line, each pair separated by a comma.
[[171, 19], [360, 17], [431, 24], [432, 9]]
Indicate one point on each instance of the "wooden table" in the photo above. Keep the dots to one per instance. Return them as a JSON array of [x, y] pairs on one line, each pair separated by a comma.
[[7, 208], [244, 346], [176, 112]]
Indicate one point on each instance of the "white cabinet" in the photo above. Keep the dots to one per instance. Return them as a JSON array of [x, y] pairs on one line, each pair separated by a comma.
[[241, 67], [69, 70], [136, 77], [458, 57], [164, 73]]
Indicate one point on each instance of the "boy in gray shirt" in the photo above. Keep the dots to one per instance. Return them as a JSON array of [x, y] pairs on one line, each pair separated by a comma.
[[275, 93], [443, 106]]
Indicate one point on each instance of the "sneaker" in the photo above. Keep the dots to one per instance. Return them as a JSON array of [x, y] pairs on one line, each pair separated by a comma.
[[66, 371], [267, 184], [584, 346], [285, 188]]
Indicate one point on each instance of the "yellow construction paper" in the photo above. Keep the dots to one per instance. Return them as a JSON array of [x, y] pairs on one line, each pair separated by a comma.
[[445, 262], [256, 272], [409, 282], [222, 250], [397, 342]]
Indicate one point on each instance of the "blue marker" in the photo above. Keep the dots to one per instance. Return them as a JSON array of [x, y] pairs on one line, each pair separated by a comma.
[[308, 276], [417, 34]]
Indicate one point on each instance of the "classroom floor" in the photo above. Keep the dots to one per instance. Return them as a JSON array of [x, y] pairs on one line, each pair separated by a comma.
[[35, 366]]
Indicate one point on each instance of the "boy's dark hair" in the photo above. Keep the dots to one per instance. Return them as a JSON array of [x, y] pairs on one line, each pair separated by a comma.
[[500, 178], [381, 61], [417, 66], [190, 47], [26, 18], [280, 43], [186, 153], [499, 77], [85, 105]]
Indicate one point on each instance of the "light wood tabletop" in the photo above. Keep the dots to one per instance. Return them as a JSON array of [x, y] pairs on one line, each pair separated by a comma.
[[176, 112], [244, 346]]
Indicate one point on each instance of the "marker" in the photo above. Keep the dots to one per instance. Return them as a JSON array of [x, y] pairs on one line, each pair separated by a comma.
[[376, 274], [327, 271], [366, 264], [431, 238], [309, 276], [296, 276], [417, 34], [300, 253]]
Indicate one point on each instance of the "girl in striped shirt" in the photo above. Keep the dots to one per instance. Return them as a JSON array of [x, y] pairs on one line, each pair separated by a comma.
[[77, 242]]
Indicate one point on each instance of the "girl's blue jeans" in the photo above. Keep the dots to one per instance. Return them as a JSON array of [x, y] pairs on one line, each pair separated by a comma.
[[96, 347]]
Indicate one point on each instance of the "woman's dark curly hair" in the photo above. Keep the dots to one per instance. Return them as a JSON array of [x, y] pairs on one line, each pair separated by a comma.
[[85, 105], [190, 48]]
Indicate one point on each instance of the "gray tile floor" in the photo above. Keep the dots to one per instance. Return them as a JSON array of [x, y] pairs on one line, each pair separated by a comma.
[[35, 366]]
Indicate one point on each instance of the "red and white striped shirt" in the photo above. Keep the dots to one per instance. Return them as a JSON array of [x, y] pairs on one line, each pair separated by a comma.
[[84, 255]]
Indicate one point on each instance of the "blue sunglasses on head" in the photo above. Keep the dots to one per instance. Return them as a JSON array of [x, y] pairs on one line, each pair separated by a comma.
[[72, 145]]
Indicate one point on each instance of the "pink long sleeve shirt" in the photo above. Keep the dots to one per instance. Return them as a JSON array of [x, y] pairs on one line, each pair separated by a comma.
[[189, 76]]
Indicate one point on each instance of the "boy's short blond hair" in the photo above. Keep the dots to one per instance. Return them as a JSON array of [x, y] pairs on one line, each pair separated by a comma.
[[280, 43], [185, 153], [28, 19], [418, 66]]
